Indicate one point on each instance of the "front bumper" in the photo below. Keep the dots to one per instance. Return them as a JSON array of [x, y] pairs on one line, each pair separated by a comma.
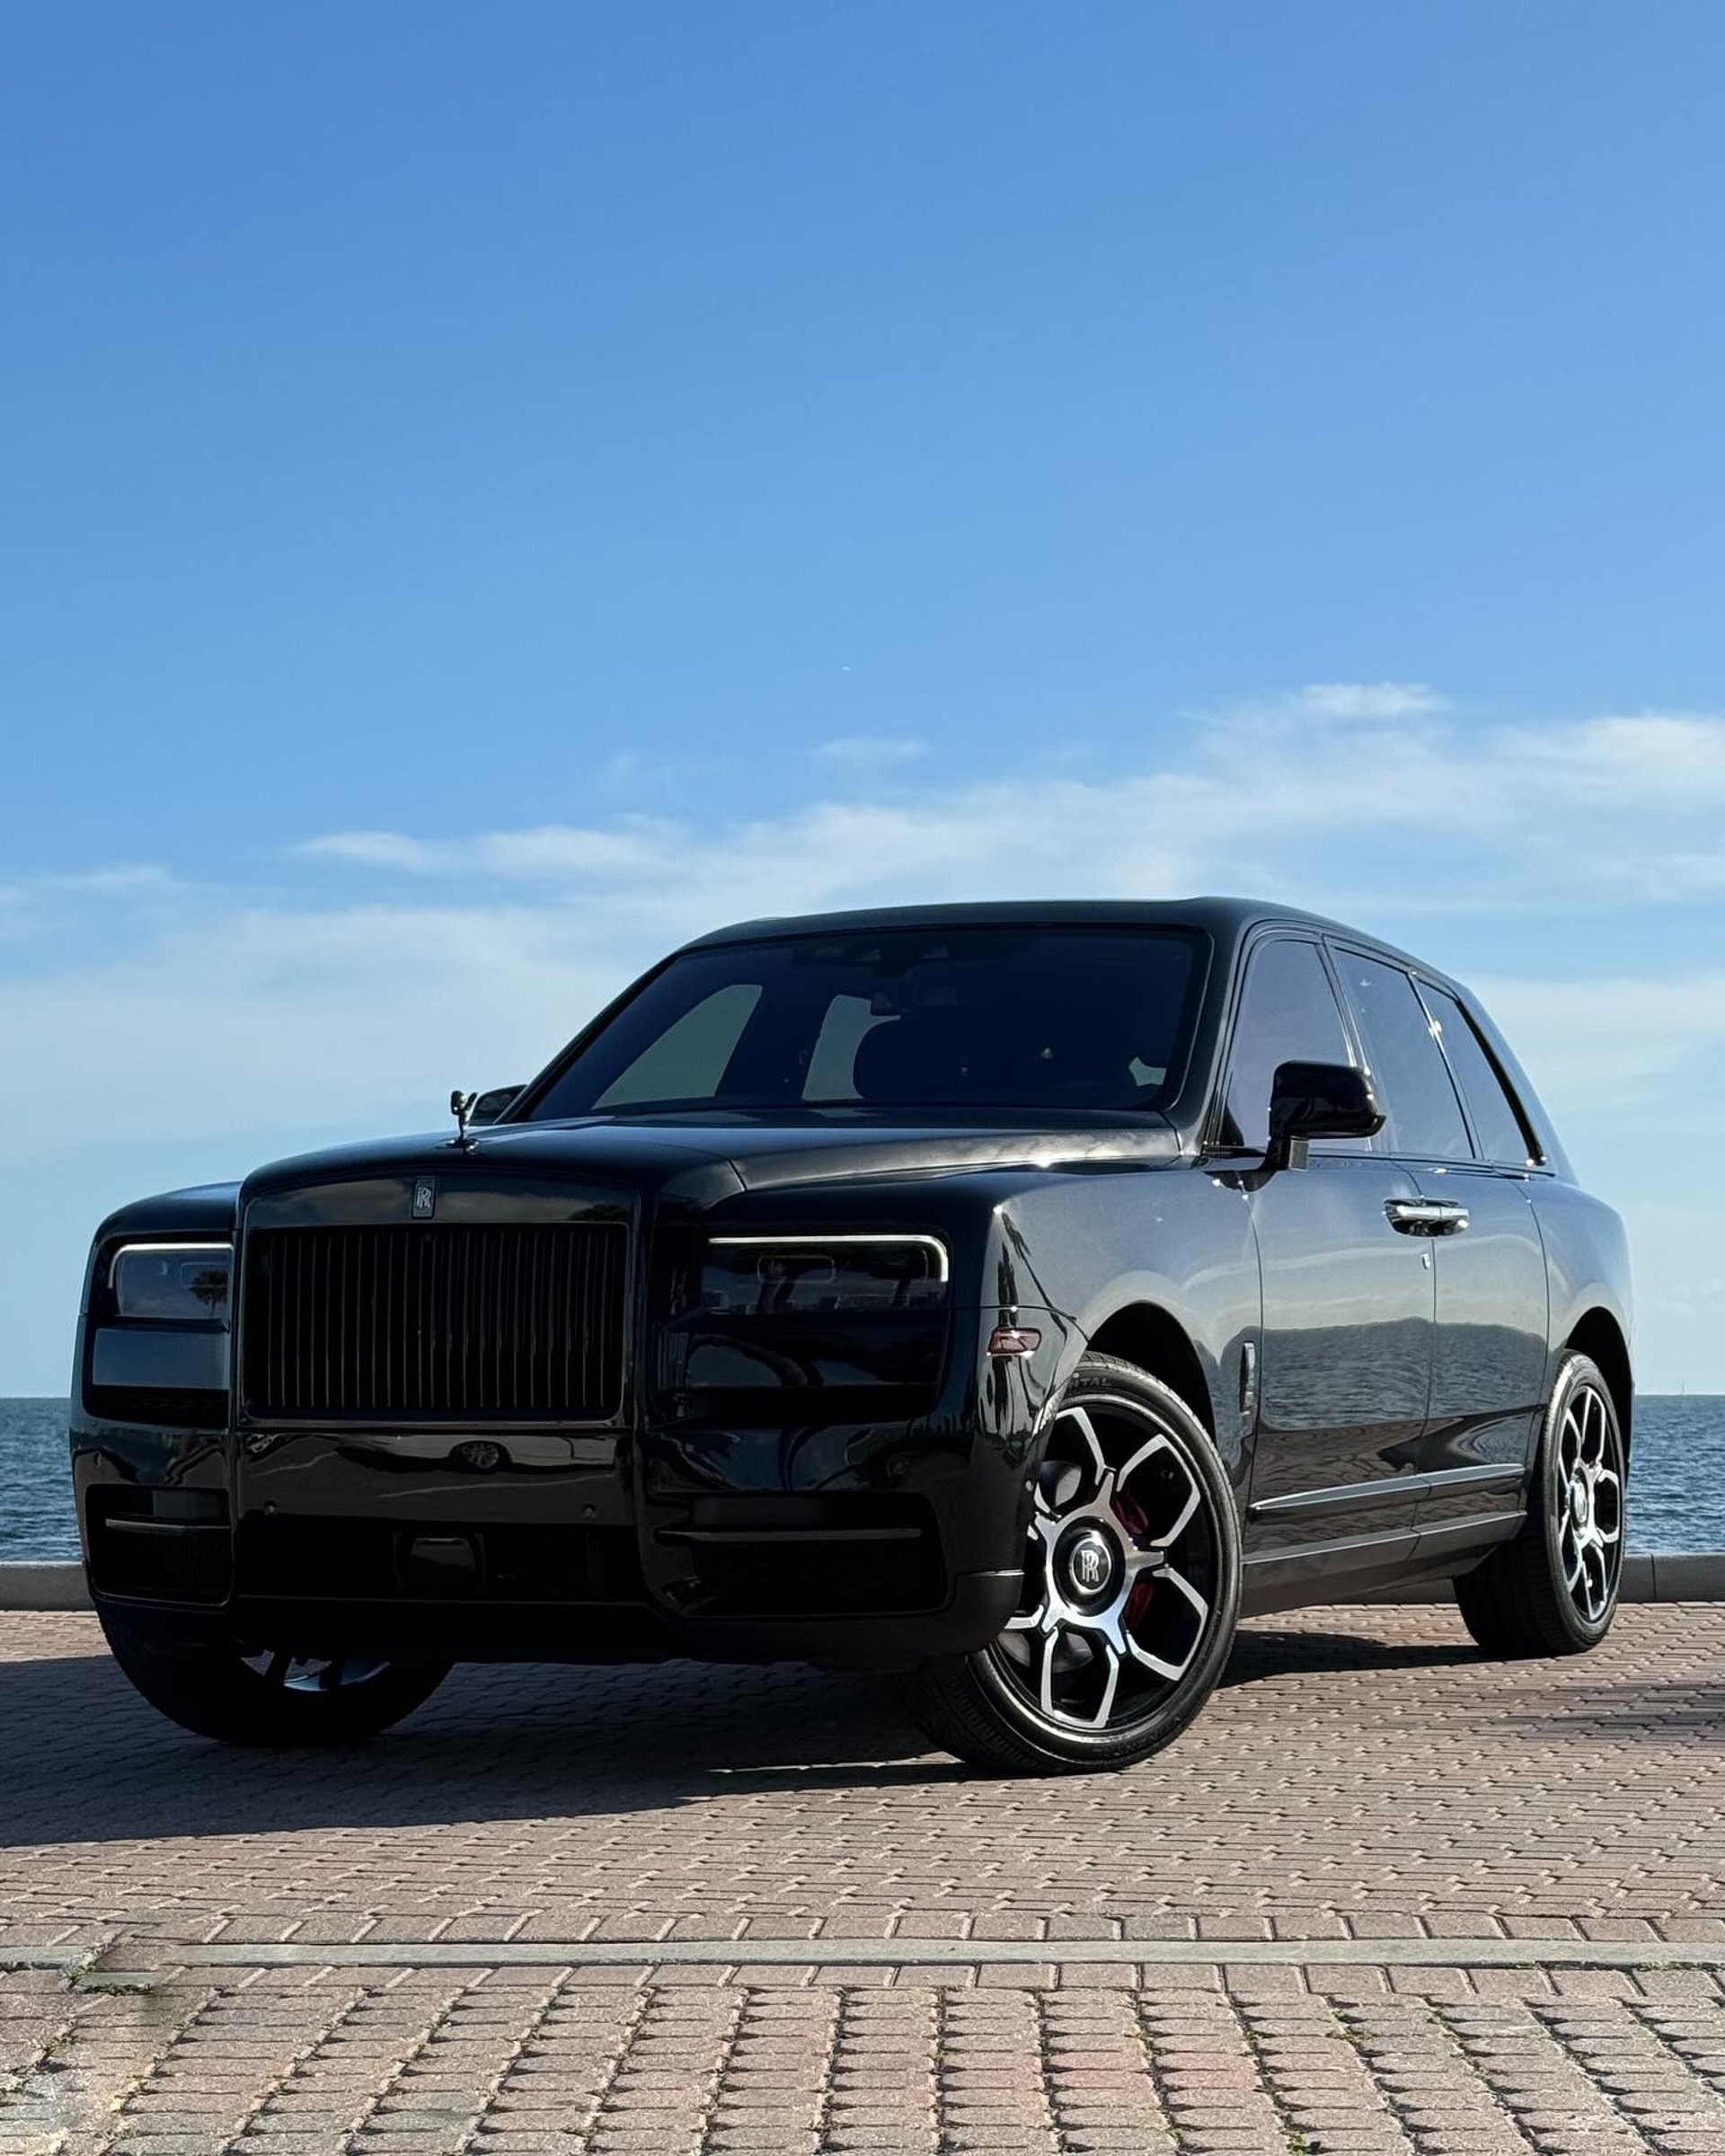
[[857, 1543]]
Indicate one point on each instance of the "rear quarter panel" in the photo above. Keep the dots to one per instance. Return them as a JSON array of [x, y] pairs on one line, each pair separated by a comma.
[[1586, 1258]]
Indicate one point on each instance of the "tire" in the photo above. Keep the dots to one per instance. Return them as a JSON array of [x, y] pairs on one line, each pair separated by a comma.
[[267, 1699], [1554, 1589], [1129, 1495]]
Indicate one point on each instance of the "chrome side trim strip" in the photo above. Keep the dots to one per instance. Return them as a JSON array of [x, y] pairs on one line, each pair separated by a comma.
[[1499, 1475]]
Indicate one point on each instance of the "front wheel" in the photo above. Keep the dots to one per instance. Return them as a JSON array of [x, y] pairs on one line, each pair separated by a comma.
[[1554, 1590], [1131, 1590], [268, 1695]]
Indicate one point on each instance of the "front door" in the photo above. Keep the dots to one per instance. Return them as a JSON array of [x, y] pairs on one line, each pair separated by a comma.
[[1349, 1298], [1349, 1303]]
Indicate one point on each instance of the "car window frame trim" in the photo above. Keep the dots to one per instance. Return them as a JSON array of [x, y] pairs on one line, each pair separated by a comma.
[[1211, 1143], [1534, 1162]]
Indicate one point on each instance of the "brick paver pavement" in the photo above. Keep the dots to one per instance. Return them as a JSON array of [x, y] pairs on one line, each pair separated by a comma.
[[1364, 1782]]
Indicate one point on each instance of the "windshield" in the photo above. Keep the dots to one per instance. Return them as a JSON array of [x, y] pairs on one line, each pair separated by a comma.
[[967, 1019]]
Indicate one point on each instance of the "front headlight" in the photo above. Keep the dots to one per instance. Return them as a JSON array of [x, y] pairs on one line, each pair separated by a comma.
[[172, 1282], [782, 1275]]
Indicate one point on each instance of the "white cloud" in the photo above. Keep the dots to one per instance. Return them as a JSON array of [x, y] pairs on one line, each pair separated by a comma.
[[246, 1010], [1651, 759], [1599, 1044], [265, 1018], [1483, 816], [871, 754], [247, 1006], [1367, 700], [550, 853]]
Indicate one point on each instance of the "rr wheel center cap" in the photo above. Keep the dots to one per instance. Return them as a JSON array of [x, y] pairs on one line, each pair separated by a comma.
[[1089, 1563]]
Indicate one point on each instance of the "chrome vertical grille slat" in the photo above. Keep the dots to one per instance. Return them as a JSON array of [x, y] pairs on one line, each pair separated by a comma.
[[469, 1321]]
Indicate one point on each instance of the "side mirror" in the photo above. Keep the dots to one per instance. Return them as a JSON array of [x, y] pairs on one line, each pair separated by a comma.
[[1311, 1100], [493, 1107]]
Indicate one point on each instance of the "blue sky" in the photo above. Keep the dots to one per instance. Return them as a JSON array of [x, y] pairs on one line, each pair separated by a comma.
[[488, 492]]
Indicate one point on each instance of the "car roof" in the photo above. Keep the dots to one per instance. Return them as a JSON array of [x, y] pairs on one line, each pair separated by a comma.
[[1226, 919]]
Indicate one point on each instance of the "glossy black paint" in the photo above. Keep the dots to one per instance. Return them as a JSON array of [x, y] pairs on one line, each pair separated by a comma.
[[1373, 1388]]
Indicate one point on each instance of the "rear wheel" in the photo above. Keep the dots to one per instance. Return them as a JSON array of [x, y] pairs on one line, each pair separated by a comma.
[[1131, 1590], [1554, 1590], [268, 1695]]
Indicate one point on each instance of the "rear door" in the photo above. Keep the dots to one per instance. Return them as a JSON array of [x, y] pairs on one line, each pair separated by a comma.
[[1345, 1358], [1454, 1129]]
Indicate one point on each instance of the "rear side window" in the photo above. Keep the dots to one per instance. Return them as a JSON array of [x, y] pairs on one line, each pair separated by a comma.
[[1287, 1015], [1496, 1123], [1423, 1114]]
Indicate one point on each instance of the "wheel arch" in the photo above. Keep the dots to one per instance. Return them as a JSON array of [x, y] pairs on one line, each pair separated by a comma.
[[1597, 1335], [1153, 1341]]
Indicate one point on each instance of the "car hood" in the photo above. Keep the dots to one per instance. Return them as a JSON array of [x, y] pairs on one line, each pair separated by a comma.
[[714, 1158]]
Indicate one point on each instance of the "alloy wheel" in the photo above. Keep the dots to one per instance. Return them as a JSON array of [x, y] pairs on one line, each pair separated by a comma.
[[1120, 1573], [1588, 1503], [288, 1672]]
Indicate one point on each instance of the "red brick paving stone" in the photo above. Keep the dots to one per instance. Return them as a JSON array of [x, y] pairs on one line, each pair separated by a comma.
[[1426, 2081], [1139, 1925], [1253, 1980], [334, 2086], [551, 2090], [1649, 2081], [1101, 2092], [1347, 1771], [1205, 2077], [34, 2013], [188, 2102], [774, 2085], [1316, 2078], [1496, 1984], [432, 2063], [992, 2081], [1338, 1788], [882, 2093], [1005, 1925], [1553, 2100], [96, 2050], [448, 2082], [1698, 2039]]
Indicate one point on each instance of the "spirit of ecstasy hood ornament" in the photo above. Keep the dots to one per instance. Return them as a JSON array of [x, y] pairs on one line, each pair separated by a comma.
[[461, 1107]]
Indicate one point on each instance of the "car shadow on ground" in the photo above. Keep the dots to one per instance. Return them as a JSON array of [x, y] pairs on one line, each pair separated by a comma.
[[1260, 1652], [1672, 1711], [84, 1760]]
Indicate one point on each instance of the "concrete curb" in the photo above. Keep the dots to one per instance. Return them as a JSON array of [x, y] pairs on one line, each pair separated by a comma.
[[139, 1961], [43, 1587], [1677, 1576], [1673, 1575]]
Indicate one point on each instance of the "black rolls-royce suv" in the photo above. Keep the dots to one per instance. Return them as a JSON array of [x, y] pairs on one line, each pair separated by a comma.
[[1009, 1295]]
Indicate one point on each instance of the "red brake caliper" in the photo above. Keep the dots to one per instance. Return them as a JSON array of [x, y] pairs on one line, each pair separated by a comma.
[[1133, 1520]]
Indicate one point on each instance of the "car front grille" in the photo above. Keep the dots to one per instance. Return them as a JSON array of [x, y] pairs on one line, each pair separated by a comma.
[[469, 1321]]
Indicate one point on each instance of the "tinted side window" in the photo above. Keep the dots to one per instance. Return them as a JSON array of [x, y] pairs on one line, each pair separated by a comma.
[[1287, 1015], [1497, 1127], [1407, 1065]]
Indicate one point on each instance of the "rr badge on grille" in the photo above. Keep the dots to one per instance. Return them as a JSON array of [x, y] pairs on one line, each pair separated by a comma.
[[425, 1198]]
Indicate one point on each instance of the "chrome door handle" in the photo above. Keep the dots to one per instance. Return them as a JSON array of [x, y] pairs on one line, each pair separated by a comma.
[[1425, 1216]]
